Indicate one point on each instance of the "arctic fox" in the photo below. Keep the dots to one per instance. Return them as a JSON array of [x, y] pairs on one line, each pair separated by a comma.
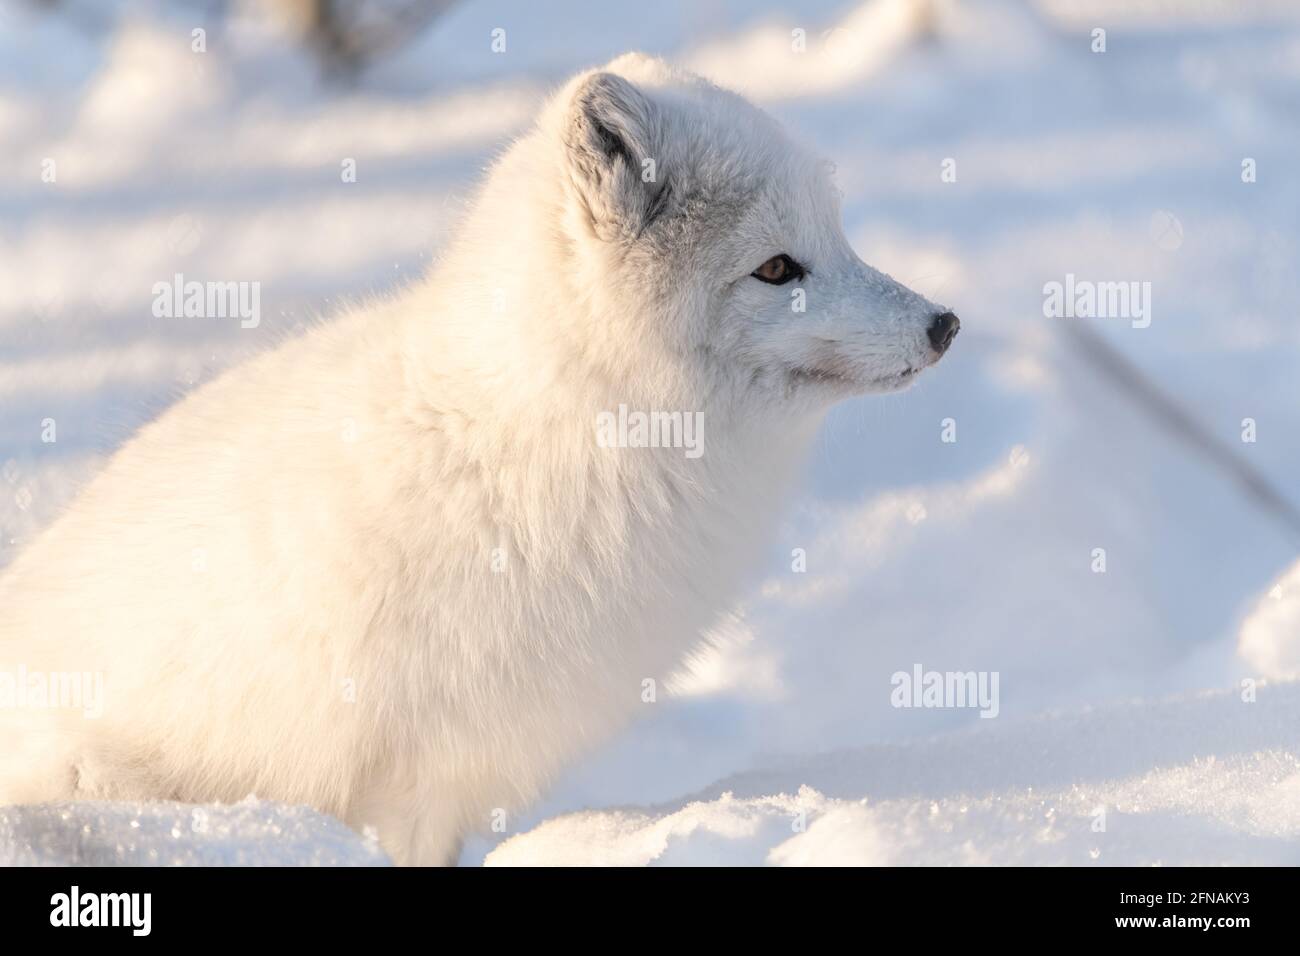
[[387, 569]]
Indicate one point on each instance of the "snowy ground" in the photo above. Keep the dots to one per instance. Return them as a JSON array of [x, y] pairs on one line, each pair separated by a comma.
[[250, 833], [1179, 782], [1119, 691]]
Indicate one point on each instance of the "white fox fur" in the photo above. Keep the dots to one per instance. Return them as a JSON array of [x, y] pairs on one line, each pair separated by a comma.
[[386, 569]]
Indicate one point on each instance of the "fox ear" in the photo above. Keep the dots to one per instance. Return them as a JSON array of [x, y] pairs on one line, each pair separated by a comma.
[[610, 136]]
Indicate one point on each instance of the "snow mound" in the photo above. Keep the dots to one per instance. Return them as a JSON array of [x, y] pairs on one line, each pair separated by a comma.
[[249, 833], [1269, 639], [1211, 778]]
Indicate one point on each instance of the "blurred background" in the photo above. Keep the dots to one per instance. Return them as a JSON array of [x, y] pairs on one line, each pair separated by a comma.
[[985, 148]]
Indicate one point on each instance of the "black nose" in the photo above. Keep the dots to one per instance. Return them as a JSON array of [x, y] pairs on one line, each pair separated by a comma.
[[943, 330]]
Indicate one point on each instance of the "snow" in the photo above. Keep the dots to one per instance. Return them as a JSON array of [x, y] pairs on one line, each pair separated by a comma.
[[250, 833], [1124, 690], [1270, 636], [1131, 784]]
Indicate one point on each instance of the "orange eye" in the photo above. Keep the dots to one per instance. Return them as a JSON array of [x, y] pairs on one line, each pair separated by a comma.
[[779, 270]]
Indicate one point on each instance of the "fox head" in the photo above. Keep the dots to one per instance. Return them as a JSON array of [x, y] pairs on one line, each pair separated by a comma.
[[690, 214]]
